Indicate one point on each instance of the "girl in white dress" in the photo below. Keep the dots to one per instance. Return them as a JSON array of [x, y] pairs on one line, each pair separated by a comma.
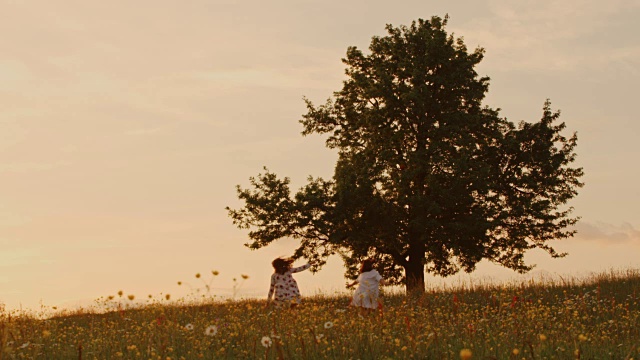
[[369, 281]]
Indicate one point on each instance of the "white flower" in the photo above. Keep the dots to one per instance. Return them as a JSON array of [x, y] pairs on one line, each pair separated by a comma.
[[23, 346], [189, 327], [340, 311], [319, 337], [211, 330], [328, 325], [266, 341]]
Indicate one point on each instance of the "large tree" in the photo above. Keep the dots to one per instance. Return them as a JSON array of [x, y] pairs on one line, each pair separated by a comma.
[[427, 178]]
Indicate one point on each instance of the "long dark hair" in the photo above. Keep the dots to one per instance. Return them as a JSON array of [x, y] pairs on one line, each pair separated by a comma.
[[367, 265], [282, 265]]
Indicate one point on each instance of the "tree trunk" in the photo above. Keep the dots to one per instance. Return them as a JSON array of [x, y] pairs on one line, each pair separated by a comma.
[[414, 271]]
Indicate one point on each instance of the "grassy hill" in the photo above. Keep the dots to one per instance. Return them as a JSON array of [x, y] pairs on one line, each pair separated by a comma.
[[591, 318]]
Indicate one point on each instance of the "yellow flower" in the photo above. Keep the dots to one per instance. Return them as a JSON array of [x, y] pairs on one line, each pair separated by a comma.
[[516, 351], [465, 354], [543, 337], [581, 337], [46, 333]]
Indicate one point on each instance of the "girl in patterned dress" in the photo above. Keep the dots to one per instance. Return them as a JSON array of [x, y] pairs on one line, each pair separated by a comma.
[[283, 285]]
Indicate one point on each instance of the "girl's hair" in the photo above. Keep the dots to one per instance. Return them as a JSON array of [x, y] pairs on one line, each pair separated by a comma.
[[367, 265], [282, 265]]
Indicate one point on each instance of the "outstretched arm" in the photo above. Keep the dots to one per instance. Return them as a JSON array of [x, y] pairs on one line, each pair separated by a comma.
[[301, 268], [352, 284]]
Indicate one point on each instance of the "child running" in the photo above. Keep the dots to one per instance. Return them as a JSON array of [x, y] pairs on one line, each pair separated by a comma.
[[366, 295], [283, 285]]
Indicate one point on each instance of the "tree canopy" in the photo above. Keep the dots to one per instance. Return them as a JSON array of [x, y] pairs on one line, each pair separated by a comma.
[[427, 178]]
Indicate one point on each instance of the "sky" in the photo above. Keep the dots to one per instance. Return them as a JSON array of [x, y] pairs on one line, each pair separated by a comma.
[[126, 125]]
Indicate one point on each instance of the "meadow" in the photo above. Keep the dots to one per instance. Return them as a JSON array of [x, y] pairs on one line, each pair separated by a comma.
[[597, 317]]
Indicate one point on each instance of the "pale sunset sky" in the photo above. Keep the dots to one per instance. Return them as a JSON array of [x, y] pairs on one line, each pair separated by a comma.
[[126, 125]]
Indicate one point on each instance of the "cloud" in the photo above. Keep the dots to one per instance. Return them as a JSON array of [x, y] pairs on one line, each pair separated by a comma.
[[555, 35], [29, 167], [607, 233]]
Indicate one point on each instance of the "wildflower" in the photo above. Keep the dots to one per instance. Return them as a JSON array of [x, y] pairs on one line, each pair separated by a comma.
[[328, 325], [189, 326], [516, 351], [340, 311], [168, 296], [131, 347], [25, 345], [131, 297], [319, 337], [211, 330], [542, 337], [120, 293], [266, 341], [465, 354], [46, 333], [581, 337]]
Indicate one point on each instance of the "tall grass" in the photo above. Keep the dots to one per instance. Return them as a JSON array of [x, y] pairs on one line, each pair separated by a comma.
[[588, 318]]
